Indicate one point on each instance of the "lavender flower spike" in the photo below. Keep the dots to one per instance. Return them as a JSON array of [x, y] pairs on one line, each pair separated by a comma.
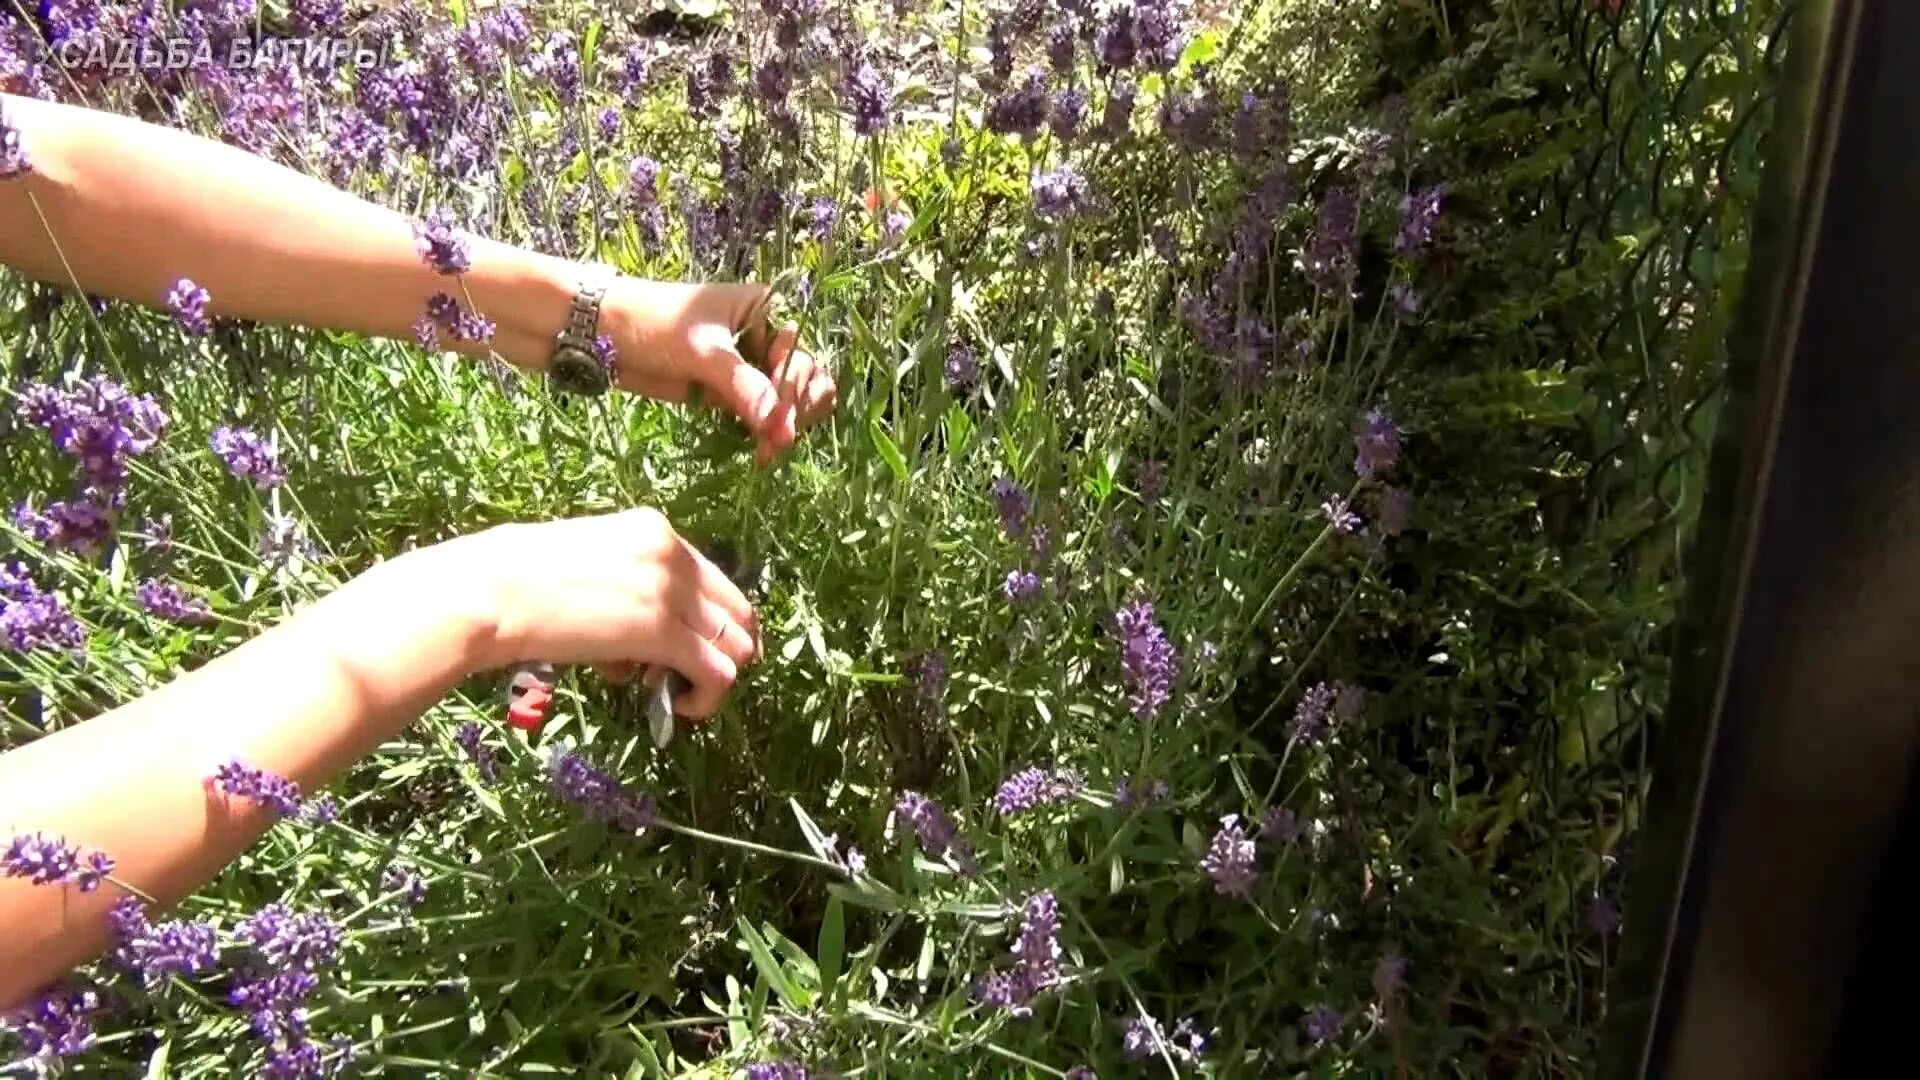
[[441, 245], [271, 790], [188, 303], [248, 456], [1230, 859]]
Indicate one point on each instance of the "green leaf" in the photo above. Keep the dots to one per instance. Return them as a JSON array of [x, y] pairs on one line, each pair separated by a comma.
[[770, 968], [157, 1064], [888, 451], [832, 945]]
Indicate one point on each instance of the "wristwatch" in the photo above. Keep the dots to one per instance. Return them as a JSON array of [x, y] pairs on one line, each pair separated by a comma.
[[576, 367]]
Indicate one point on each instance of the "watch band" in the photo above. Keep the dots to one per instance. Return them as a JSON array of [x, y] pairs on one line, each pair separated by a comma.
[[583, 319], [576, 365]]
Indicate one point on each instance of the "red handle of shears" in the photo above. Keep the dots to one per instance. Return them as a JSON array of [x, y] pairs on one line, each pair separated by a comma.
[[529, 696]]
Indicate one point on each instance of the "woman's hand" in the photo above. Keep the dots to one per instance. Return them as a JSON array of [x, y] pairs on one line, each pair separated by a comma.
[[616, 591], [670, 337]]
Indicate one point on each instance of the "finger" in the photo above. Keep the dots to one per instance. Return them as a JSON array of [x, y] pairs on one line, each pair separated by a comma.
[[716, 625], [817, 401], [749, 308], [708, 670], [741, 389], [779, 434], [710, 585], [783, 352]]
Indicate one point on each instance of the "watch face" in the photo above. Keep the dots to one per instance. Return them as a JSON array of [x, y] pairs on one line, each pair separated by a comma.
[[577, 372]]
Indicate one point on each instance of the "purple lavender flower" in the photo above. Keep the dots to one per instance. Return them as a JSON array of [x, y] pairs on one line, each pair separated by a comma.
[[597, 793], [1081, 1072], [268, 789], [1340, 515], [411, 887], [1021, 110], [467, 736], [1389, 975], [1069, 112], [635, 64], [772, 82], [1311, 714], [822, 215], [1377, 445], [248, 456], [1396, 507], [1060, 194], [1060, 46], [167, 600], [158, 952], [1114, 41], [962, 368], [866, 96], [1038, 947], [188, 302], [1406, 302], [1144, 1037], [1037, 951], [643, 182], [1229, 860], [41, 860], [57, 1024], [1033, 787], [1418, 211], [1147, 658], [935, 831], [441, 245], [1132, 792], [1322, 1023], [1014, 504], [1020, 585], [14, 160], [324, 810], [1348, 701], [929, 674], [1157, 29], [94, 869], [1279, 825], [284, 938], [32, 620], [1189, 117], [80, 526], [1117, 116], [98, 423], [778, 1070], [1330, 257]]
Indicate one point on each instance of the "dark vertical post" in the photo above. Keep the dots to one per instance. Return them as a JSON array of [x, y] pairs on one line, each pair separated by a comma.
[[1759, 904]]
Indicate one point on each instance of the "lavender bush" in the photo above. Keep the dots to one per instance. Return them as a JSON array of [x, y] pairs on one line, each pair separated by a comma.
[[1052, 771]]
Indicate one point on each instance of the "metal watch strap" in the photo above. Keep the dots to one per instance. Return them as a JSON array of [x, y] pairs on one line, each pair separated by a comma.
[[583, 319], [576, 366]]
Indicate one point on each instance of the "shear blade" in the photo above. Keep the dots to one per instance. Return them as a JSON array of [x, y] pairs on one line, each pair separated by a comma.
[[660, 719]]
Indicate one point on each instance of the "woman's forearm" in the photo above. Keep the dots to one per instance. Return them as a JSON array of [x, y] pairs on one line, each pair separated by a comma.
[[304, 701], [125, 209]]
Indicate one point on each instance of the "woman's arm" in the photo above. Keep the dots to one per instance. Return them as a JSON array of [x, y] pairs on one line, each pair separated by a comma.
[[311, 696], [125, 209], [130, 208]]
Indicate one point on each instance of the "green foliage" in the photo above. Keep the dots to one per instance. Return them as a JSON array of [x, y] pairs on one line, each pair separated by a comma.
[[1554, 396]]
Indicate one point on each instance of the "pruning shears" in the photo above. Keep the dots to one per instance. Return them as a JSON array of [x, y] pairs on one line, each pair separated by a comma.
[[530, 688]]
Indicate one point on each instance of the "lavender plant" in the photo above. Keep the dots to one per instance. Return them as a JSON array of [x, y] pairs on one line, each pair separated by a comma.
[[1119, 439]]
